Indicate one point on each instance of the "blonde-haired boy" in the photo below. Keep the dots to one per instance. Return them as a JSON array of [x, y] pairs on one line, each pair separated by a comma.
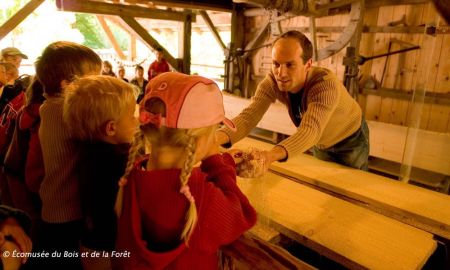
[[99, 112]]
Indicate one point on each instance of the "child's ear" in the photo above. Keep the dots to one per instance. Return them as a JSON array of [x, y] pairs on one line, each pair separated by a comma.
[[64, 84], [110, 128]]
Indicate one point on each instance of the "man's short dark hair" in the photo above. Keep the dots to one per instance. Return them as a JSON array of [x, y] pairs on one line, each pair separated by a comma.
[[302, 40], [138, 67]]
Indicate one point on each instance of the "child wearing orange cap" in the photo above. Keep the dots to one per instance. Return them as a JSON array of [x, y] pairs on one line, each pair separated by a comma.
[[172, 214]]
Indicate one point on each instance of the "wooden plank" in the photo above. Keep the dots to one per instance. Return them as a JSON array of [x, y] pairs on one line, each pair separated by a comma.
[[18, 17], [443, 73], [104, 8], [384, 17], [373, 104], [405, 94], [387, 141], [368, 105], [148, 39], [111, 37], [409, 204], [349, 234], [399, 108], [438, 118]]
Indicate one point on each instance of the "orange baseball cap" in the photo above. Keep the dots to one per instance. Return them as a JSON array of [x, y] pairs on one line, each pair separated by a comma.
[[190, 102]]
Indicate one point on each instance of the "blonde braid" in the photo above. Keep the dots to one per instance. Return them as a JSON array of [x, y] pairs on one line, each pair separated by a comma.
[[191, 215], [133, 153]]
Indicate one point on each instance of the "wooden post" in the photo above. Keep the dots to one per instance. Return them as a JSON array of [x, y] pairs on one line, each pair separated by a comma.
[[132, 48], [184, 47]]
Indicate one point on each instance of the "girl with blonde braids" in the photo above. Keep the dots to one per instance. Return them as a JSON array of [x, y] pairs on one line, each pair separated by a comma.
[[172, 214]]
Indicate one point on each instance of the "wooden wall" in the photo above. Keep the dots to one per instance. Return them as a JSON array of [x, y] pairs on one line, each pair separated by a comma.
[[403, 72]]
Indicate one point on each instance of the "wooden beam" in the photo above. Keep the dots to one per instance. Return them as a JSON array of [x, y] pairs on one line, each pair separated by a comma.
[[111, 37], [213, 29], [380, 3], [258, 39], [323, 9], [104, 8], [443, 29], [17, 18], [149, 40], [353, 236], [223, 5]]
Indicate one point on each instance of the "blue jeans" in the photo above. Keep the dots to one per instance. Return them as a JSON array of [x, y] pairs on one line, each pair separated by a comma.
[[353, 151]]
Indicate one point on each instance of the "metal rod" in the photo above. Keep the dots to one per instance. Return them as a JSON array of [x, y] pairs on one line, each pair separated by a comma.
[[363, 59]]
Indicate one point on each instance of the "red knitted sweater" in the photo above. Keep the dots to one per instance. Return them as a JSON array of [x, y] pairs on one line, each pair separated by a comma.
[[153, 216]]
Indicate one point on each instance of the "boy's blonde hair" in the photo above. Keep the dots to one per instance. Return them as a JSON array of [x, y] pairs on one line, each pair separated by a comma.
[[90, 102], [64, 60]]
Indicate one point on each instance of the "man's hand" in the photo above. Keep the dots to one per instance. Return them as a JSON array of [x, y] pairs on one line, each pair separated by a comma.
[[277, 153]]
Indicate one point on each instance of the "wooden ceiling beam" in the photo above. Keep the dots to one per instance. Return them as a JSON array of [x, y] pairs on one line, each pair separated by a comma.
[[17, 18], [104, 8], [223, 5], [213, 29], [148, 39], [111, 37]]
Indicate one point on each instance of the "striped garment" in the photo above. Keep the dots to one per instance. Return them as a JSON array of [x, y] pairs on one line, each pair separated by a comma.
[[59, 189], [329, 114]]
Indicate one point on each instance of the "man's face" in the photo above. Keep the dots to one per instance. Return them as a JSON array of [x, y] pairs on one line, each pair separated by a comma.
[[3, 79], [13, 59], [11, 75], [159, 56], [287, 65]]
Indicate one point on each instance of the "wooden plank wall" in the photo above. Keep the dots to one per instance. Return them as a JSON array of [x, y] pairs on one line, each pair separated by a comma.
[[401, 69]]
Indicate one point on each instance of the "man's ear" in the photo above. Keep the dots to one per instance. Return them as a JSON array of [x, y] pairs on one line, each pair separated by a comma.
[[308, 65], [110, 128]]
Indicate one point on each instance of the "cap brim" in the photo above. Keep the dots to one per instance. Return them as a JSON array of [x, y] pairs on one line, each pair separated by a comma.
[[19, 54], [228, 123]]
